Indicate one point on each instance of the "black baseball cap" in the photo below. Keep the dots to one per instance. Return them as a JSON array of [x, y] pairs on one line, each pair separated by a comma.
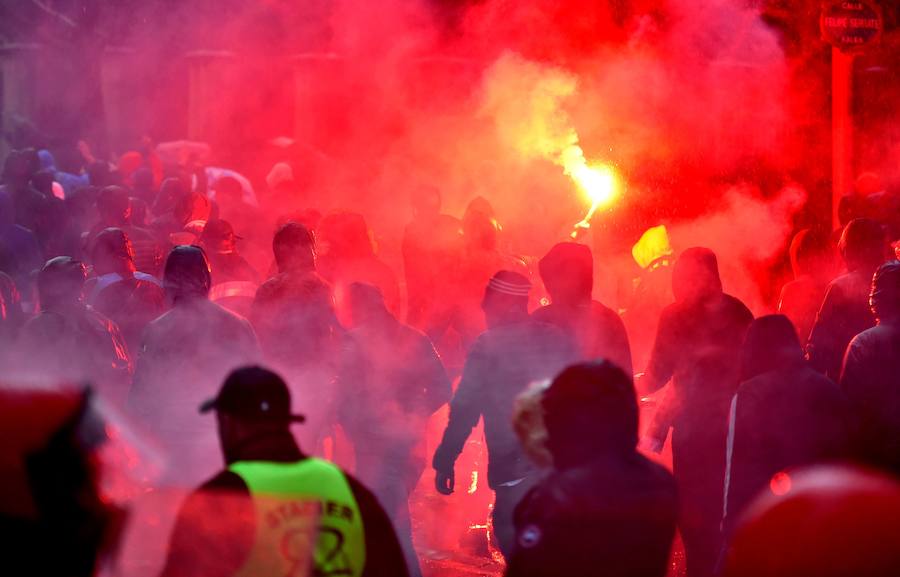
[[254, 393]]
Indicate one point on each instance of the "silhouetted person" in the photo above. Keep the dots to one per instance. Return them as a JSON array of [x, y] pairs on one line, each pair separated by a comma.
[[293, 313], [823, 522], [30, 206], [53, 468], [348, 256], [184, 355], [430, 247], [784, 415], [871, 374], [128, 296], [845, 311], [479, 259], [568, 275], [276, 510], [234, 281], [698, 346], [143, 186], [20, 247], [604, 509], [70, 341], [652, 292], [114, 207], [812, 265], [245, 218], [400, 383], [513, 352]]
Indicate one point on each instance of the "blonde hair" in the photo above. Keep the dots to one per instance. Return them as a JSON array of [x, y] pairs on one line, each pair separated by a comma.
[[528, 423]]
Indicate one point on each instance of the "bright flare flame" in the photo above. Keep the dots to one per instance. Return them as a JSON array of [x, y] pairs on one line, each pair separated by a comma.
[[525, 100], [600, 183]]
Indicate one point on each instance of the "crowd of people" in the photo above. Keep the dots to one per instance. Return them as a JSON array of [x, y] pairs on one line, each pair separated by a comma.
[[173, 289]]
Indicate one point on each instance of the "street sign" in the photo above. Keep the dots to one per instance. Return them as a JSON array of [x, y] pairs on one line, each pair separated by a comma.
[[851, 24]]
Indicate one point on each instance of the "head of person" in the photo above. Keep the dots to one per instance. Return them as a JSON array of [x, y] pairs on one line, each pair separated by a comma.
[[228, 190], [99, 174], [810, 252], [863, 244], [218, 237], [42, 181], [480, 231], [129, 163], [18, 168], [695, 276], [113, 253], [528, 423], [186, 276], [771, 344], [171, 191], [590, 412], [365, 303], [345, 236], [568, 273], [61, 283], [114, 206], [294, 246], [885, 295], [191, 207], [426, 203], [142, 180], [828, 521], [505, 299], [254, 403]]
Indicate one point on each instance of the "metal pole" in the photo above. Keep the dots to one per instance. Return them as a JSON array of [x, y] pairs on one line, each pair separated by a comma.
[[841, 128]]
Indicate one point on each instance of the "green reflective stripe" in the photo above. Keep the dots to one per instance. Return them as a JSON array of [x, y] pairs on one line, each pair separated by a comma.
[[294, 501]]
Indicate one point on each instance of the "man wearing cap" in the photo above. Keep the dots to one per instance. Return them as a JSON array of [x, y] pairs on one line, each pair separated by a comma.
[[275, 511], [234, 281], [69, 341], [515, 351], [184, 355]]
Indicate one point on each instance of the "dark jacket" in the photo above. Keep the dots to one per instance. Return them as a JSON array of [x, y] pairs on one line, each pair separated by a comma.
[[781, 419], [199, 548], [843, 315], [871, 380], [698, 346], [598, 330], [502, 362], [185, 356], [612, 517], [132, 302], [79, 345]]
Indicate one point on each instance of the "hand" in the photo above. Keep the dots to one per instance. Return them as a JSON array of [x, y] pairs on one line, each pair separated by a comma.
[[444, 481], [85, 150]]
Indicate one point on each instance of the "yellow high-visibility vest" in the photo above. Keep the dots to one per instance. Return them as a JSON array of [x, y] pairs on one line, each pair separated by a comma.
[[308, 522]]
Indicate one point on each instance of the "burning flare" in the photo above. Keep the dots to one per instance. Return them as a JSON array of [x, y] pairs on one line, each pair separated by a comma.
[[525, 100], [600, 183]]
